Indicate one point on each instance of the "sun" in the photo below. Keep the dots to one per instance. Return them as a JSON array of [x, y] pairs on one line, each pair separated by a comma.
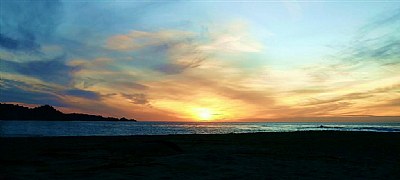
[[204, 114]]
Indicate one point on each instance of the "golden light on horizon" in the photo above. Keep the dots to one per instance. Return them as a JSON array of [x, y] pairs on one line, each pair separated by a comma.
[[204, 106], [204, 114]]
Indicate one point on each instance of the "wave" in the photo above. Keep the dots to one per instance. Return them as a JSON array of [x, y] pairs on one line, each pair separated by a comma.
[[363, 128], [82, 128]]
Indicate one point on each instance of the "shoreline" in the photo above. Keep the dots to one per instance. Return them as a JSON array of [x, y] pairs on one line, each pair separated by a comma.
[[161, 135], [166, 135], [86, 128], [317, 154], [210, 122]]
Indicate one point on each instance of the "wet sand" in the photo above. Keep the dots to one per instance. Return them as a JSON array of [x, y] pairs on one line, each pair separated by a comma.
[[315, 155]]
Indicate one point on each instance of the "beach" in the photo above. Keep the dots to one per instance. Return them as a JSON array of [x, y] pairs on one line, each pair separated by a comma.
[[283, 155]]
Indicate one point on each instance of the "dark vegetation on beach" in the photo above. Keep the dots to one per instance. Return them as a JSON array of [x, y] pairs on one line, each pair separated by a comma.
[[292, 155], [48, 113]]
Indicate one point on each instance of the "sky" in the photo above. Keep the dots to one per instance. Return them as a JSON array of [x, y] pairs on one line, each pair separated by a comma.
[[203, 60]]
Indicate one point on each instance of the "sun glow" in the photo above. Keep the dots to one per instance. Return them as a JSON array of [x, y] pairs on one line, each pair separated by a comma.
[[204, 114]]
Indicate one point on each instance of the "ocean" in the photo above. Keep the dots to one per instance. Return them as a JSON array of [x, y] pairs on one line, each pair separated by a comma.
[[107, 128]]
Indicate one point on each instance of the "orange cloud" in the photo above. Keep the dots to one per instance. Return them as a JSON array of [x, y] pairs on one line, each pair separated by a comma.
[[140, 39]]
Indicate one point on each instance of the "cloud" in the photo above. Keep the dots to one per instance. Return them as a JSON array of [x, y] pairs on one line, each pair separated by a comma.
[[136, 98], [140, 39], [183, 56], [310, 90], [22, 23], [173, 52], [130, 85], [376, 41], [392, 103], [220, 91], [387, 18], [13, 44], [104, 59], [233, 44], [360, 75], [233, 38], [332, 109], [53, 70], [176, 68], [53, 43], [82, 93], [356, 102], [343, 98], [17, 91], [172, 68], [107, 74]]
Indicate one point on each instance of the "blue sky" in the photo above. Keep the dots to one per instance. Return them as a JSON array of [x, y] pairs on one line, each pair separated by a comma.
[[179, 60]]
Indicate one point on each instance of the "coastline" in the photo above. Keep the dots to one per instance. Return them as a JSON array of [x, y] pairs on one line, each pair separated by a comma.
[[98, 128], [311, 154]]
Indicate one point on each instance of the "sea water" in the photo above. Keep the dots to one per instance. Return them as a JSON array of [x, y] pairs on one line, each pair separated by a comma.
[[108, 128]]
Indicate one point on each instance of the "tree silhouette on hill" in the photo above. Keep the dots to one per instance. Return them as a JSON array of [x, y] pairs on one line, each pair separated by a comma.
[[47, 112]]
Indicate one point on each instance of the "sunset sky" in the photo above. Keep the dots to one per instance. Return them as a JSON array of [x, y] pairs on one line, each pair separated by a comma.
[[203, 60]]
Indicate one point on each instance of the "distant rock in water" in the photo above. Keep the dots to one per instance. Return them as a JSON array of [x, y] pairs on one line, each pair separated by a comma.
[[47, 113]]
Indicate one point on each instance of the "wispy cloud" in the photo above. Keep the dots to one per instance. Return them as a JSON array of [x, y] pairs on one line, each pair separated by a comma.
[[119, 58], [22, 28], [136, 98], [141, 39], [82, 93], [17, 91], [53, 70], [376, 41]]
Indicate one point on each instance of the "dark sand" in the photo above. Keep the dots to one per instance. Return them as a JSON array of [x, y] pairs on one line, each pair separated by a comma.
[[317, 155]]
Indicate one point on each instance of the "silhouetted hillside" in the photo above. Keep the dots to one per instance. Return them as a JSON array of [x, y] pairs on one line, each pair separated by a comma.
[[46, 112]]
